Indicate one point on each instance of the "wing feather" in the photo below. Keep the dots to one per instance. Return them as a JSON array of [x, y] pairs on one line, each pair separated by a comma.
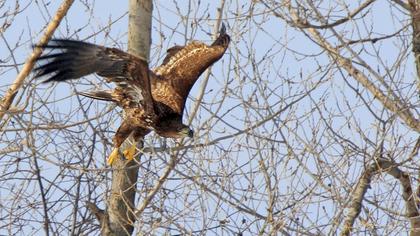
[[72, 59], [183, 66], [170, 53]]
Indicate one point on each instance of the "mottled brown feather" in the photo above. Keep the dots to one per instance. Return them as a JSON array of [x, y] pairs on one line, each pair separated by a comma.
[[171, 52], [183, 69], [151, 99]]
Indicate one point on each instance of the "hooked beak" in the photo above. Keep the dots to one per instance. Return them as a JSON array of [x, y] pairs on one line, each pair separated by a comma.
[[190, 133], [187, 132]]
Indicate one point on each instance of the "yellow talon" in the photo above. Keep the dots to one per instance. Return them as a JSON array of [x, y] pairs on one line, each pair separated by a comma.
[[111, 158], [130, 152]]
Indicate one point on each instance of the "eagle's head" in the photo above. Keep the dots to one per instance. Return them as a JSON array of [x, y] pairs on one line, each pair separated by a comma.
[[185, 131], [174, 129]]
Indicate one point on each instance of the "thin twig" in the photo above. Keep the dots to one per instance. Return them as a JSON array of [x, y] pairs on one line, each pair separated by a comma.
[[30, 61]]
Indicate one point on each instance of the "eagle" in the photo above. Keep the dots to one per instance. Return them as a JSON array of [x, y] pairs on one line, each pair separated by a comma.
[[152, 99]]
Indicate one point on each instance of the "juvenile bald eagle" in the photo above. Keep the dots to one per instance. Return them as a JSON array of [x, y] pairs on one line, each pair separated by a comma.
[[152, 99]]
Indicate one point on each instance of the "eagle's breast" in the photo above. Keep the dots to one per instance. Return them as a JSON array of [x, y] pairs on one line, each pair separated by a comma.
[[136, 117]]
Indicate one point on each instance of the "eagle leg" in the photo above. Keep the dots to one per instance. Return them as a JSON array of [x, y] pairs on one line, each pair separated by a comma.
[[123, 132], [129, 152], [138, 134], [113, 156]]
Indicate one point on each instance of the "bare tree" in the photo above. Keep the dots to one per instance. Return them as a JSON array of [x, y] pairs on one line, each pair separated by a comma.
[[308, 125], [119, 217]]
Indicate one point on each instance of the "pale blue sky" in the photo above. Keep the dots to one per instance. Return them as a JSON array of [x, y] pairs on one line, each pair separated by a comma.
[[290, 69]]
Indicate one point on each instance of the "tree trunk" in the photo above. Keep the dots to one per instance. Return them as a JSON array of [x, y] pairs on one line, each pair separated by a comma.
[[119, 217], [415, 16], [139, 27]]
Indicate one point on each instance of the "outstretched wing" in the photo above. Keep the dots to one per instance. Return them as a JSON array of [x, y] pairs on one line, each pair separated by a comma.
[[182, 66], [170, 53], [71, 59]]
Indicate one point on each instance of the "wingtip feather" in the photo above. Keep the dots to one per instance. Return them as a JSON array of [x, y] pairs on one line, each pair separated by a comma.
[[222, 29]]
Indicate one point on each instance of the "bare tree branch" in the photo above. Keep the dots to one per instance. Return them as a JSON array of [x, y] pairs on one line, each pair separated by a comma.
[[393, 105], [288, 122], [171, 165], [415, 23], [7, 99], [363, 185]]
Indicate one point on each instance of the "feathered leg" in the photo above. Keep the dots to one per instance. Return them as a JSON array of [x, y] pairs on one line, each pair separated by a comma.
[[122, 133], [130, 151], [138, 134]]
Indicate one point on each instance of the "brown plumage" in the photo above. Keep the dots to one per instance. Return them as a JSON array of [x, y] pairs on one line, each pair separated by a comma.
[[152, 99]]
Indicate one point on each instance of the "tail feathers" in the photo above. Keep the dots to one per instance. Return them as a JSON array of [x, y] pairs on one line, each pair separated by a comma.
[[104, 95]]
